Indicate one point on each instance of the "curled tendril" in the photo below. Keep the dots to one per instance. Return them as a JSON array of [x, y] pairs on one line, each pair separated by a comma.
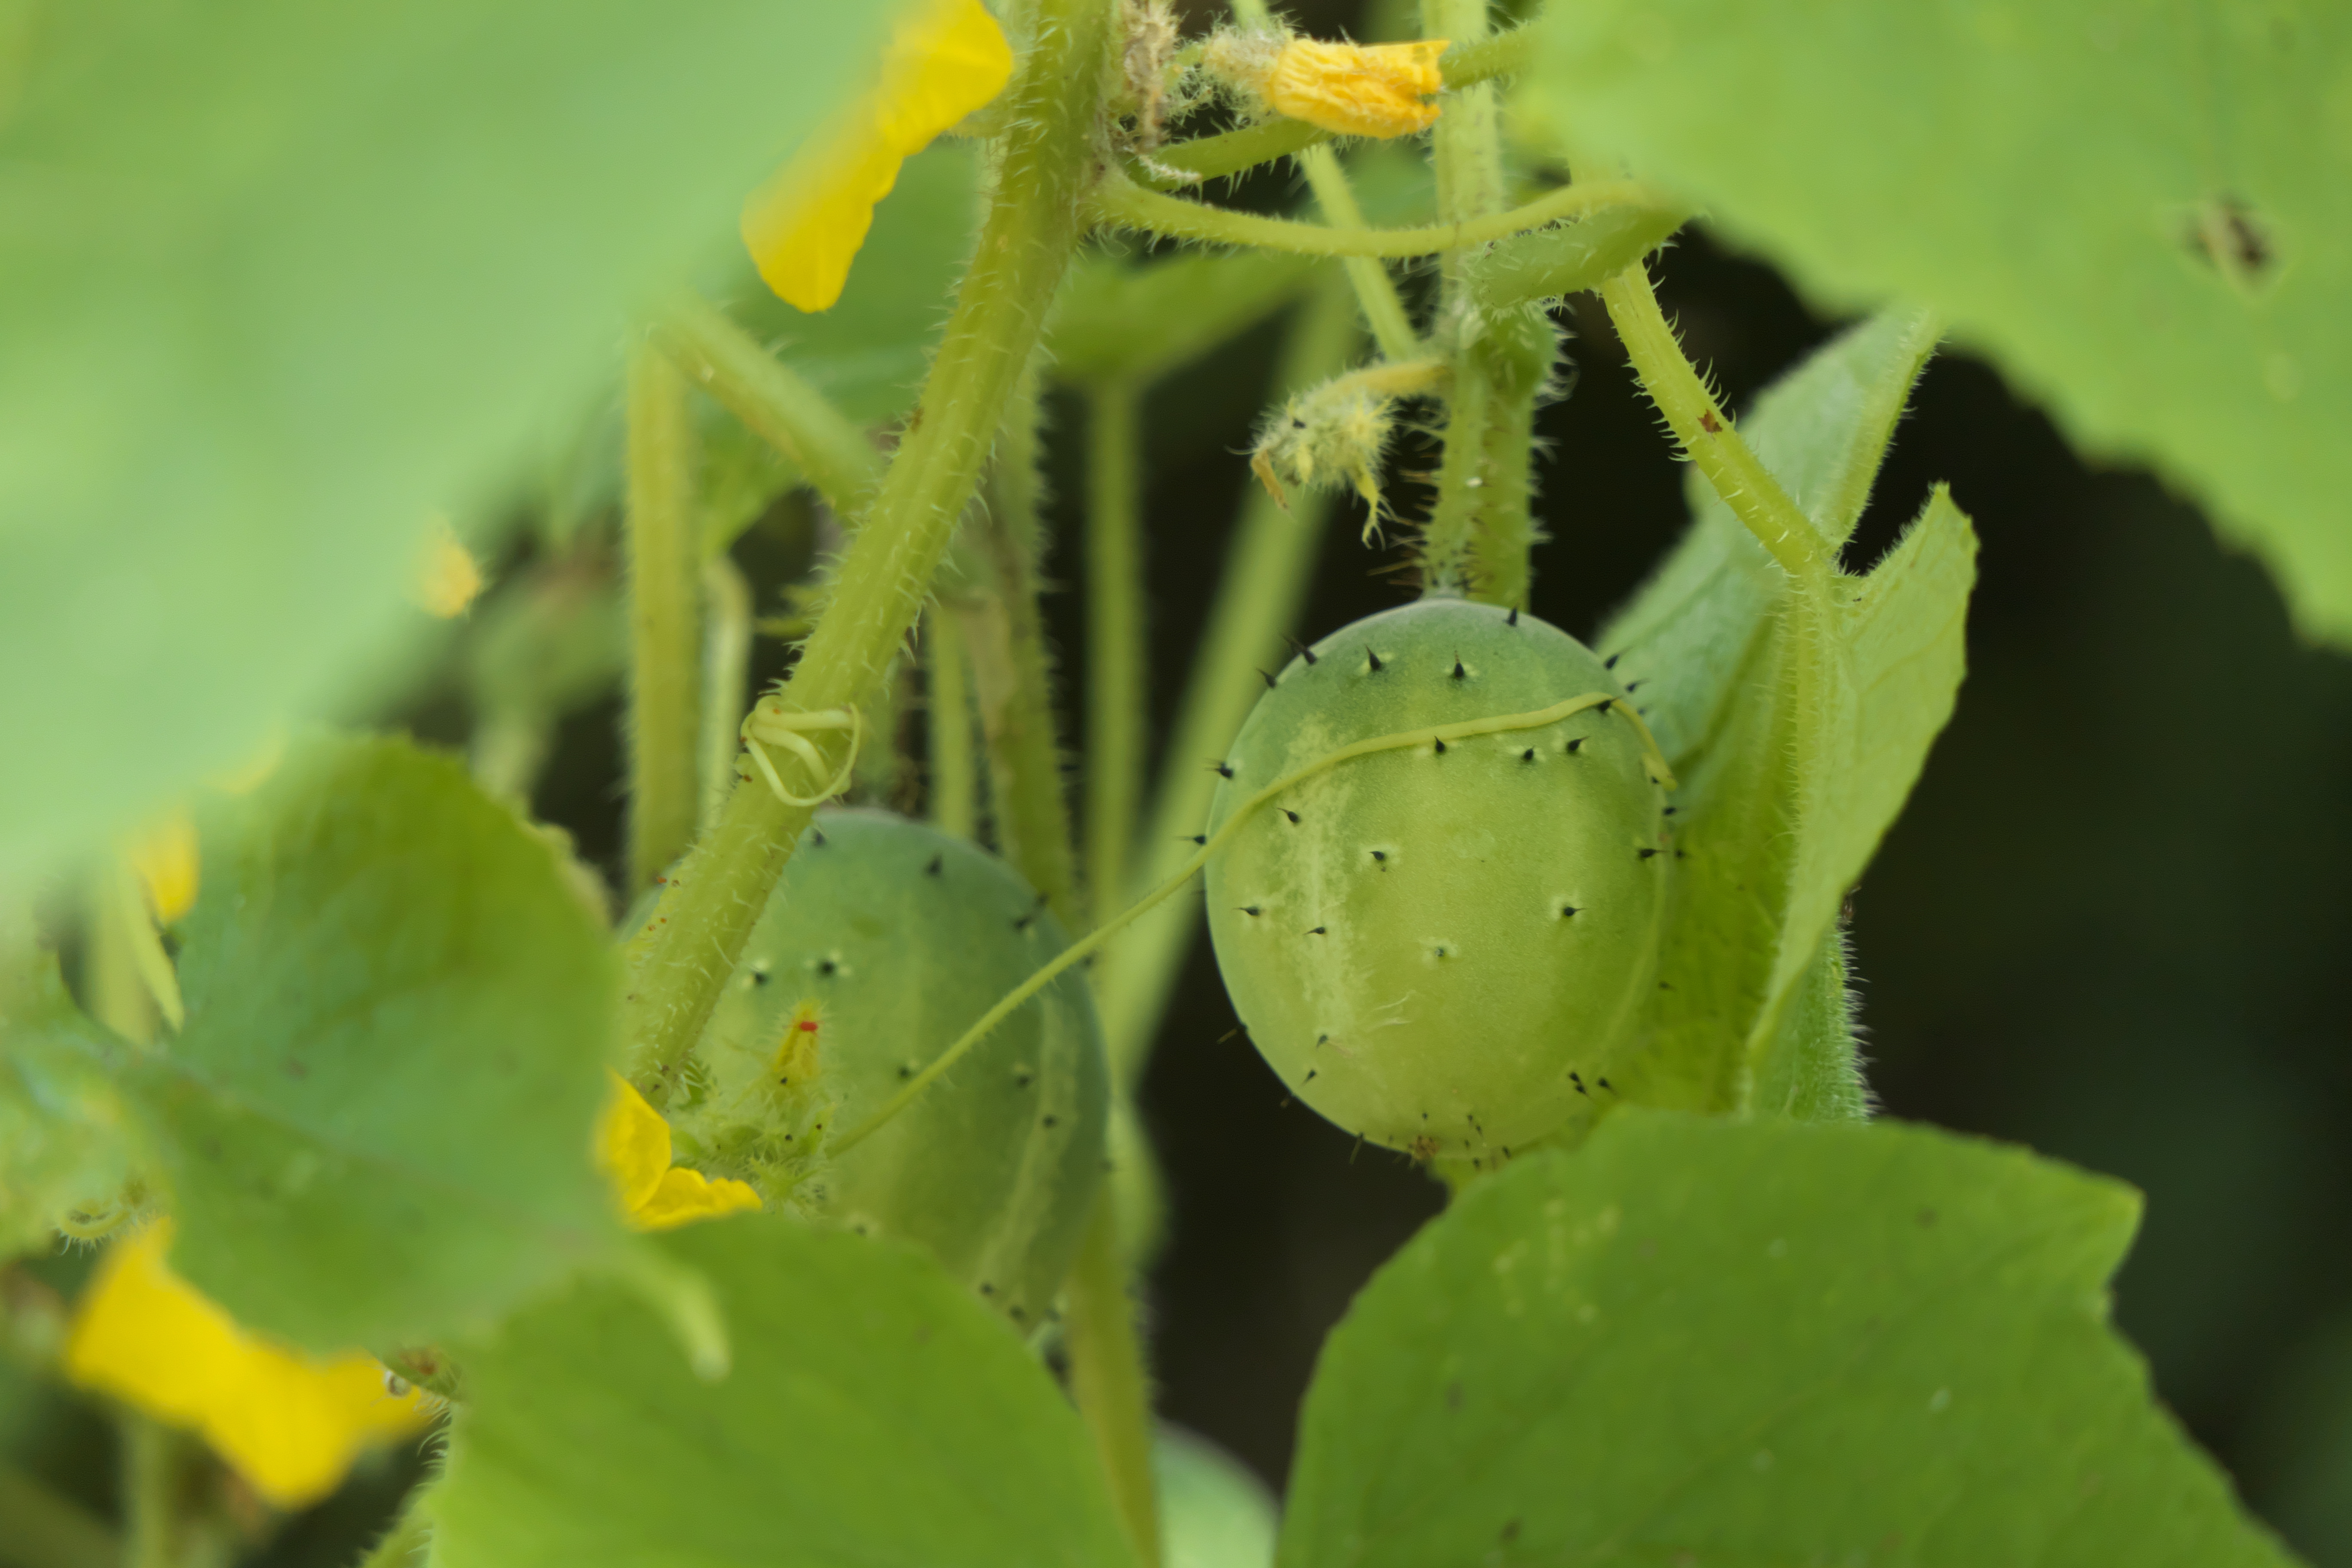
[[772, 725]]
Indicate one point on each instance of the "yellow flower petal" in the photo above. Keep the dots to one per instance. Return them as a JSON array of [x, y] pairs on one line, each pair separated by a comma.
[[632, 1146], [449, 578], [290, 1424], [164, 857], [946, 59], [1357, 89], [686, 1195]]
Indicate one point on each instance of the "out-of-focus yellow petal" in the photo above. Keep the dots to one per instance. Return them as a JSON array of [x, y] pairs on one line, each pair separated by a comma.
[[946, 59], [290, 1424], [1357, 89], [164, 857], [686, 1195], [632, 1146], [449, 578]]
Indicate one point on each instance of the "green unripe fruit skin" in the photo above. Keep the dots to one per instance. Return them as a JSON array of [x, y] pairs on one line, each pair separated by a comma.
[[1427, 943], [903, 936]]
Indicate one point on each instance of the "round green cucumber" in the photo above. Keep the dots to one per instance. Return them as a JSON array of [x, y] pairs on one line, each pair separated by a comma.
[[890, 938], [1443, 947]]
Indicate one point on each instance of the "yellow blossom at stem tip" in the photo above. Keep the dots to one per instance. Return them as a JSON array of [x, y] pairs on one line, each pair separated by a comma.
[[1348, 90], [803, 227], [632, 1146], [289, 1423]]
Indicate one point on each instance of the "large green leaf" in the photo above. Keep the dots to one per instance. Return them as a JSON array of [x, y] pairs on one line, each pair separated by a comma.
[[64, 1142], [280, 278], [876, 1414], [377, 1123], [2145, 212], [1713, 1342], [1796, 729]]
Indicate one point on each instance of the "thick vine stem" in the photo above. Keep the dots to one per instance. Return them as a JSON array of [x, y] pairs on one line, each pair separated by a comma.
[[1032, 225], [1120, 201], [1117, 691], [665, 619], [1230, 153], [1705, 432], [1265, 582], [774, 404], [1107, 1379]]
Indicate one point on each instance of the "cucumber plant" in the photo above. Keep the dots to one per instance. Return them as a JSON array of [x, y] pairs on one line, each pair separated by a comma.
[[1563, 924]]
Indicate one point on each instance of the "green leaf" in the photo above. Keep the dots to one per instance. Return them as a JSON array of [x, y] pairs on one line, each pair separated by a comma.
[[1707, 1342], [869, 352], [377, 1124], [876, 1413], [279, 280], [1565, 258], [65, 1144], [1811, 1069], [2143, 212], [1796, 729]]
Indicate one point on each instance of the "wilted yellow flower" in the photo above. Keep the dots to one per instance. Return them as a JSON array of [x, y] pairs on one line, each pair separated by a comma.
[[164, 857], [449, 577], [632, 1146], [946, 59], [1350, 89], [289, 1423]]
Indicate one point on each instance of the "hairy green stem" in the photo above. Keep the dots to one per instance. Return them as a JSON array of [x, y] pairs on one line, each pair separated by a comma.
[[665, 619], [1376, 291], [954, 793], [1230, 153], [1107, 1379], [47, 1531], [1026, 239], [1120, 201], [1267, 571], [1481, 526], [1117, 696], [1705, 434], [774, 404], [1013, 675], [726, 677]]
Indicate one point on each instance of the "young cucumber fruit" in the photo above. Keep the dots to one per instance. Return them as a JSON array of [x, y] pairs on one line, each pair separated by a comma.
[[1446, 946], [883, 941]]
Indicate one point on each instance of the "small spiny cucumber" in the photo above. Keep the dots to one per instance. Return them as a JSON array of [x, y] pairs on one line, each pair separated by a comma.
[[889, 938], [1443, 947]]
